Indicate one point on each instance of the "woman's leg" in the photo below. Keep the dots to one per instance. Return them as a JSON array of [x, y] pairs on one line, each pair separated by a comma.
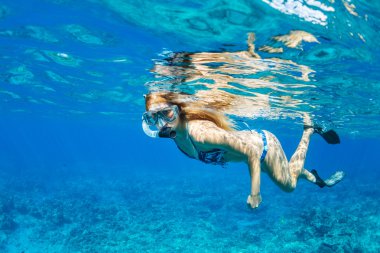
[[285, 174], [297, 161], [307, 175], [297, 170]]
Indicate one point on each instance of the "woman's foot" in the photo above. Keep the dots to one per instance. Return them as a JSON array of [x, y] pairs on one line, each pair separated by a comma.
[[330, 136], [331, 181], [335, 178]]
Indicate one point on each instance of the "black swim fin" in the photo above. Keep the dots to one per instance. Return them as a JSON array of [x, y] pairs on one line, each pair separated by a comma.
[[319, 181], [330, 136]]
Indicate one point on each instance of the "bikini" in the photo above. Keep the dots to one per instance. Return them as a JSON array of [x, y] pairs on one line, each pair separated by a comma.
[[216, 156]]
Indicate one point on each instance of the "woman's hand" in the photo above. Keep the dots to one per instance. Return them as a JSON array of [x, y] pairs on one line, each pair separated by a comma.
[[254, 201]]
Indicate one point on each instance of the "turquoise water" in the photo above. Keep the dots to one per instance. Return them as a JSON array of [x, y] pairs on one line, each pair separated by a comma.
[[77, 173]]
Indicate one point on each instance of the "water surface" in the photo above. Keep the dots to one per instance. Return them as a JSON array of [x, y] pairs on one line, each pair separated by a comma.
[[79, 175]]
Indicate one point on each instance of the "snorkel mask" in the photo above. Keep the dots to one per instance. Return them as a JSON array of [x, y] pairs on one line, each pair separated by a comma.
[[160, 118]]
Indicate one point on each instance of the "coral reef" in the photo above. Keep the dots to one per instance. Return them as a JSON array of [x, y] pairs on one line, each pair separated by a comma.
[[168, 212]]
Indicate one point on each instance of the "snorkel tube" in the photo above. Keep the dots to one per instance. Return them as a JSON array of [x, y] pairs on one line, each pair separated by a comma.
[[165, 131], [151, 133]]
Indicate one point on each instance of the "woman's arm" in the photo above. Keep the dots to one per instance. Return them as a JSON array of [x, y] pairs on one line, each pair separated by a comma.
[[211, 136], [254, 199]]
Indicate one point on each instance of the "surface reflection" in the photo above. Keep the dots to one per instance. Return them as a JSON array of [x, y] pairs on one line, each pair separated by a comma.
[[239, 83]]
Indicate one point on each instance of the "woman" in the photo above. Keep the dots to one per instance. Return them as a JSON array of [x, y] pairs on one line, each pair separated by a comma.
[[210, 137]]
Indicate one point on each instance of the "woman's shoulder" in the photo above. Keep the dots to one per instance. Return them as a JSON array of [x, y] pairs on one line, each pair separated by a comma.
[[194, 124], [201, 130]]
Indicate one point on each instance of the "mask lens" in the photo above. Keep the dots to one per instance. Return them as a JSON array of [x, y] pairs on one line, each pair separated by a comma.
[[150, 118], [168, 114]]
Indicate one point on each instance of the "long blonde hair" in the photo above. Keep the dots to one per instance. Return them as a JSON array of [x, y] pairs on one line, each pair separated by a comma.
[[189, 110]]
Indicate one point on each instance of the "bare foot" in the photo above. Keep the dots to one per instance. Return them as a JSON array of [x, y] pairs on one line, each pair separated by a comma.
[[335, 178]]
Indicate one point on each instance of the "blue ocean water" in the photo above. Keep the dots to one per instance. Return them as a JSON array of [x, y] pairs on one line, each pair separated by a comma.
[[78, 174]]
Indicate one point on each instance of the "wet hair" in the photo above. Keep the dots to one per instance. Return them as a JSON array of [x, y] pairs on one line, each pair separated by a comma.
[[189, 110]]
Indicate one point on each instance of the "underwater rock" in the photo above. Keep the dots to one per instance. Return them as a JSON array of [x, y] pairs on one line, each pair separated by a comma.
[[7, 223], [349, 247], [36, 213], [22, 209], [321, 230], [7, 205], [325, 247], [59, 219]]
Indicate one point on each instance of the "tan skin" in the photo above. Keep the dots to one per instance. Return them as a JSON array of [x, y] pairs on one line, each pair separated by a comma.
[[243, 146], [247, 146]]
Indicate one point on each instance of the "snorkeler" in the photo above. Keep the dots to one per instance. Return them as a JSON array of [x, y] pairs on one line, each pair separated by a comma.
[[199, 126], [209, 136]]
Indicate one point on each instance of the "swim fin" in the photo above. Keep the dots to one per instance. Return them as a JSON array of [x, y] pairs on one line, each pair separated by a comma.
[[330, 136], [331, 181], [319, 181]]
